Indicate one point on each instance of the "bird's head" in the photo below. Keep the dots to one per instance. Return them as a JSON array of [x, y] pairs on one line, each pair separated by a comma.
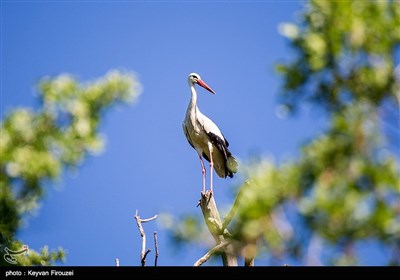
[[194, 78]]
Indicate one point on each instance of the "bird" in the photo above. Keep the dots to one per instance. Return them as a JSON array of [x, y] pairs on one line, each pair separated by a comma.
[[206, 138]]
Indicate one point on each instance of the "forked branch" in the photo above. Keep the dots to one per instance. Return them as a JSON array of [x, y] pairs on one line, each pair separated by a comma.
[[214, 224], [139, 222], [208, 255]]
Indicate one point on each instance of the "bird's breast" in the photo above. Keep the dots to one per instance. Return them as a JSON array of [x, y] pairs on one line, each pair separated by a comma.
[[198, 138]]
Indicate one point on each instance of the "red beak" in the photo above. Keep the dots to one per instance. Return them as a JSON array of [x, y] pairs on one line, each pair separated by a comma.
[[204, 85]]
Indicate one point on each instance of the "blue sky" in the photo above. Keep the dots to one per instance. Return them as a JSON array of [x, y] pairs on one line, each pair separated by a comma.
[[147, 163]]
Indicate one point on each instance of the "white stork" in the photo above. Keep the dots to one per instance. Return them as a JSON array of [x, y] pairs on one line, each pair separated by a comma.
[[206, 138]]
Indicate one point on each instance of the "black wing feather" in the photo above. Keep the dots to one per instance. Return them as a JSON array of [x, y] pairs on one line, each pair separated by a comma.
[[226, 141], [222, 146]]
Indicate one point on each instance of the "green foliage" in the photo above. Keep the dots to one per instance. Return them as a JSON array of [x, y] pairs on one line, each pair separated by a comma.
[[341, 191], [344, 53], [36, 146], [345, 186]]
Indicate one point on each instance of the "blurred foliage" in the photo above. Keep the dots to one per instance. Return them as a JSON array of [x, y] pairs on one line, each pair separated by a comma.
[[344, 188], [36, 146], [343, 54]]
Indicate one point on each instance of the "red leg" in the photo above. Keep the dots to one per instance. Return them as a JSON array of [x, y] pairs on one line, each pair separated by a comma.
[[203, 171], [210, 147]]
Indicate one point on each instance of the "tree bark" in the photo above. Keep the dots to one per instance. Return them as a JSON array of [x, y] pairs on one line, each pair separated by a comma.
[[214, 224]]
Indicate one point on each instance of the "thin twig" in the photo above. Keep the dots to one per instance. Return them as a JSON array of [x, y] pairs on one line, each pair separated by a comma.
[[149, 219], [139, 222], [144, 257], [143, 235], [208, 255], [156, 247]]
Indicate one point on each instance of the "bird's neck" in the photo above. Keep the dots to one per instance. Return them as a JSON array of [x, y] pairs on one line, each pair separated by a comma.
[[193, 101]]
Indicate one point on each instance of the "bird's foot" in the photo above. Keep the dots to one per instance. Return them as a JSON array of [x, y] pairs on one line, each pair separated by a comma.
[[206, 194]]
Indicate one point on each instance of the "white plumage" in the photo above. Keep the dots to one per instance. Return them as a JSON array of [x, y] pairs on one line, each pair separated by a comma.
[[206, 138]]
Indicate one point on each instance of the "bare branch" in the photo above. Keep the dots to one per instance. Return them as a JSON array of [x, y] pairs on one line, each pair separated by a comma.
[[143, 261], [208, 255], [143, 235], [156, 247], [149, 219], [213, 222], [139, 222]]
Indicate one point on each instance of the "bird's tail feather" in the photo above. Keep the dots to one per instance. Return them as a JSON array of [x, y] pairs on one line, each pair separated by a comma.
[[232, 164]]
